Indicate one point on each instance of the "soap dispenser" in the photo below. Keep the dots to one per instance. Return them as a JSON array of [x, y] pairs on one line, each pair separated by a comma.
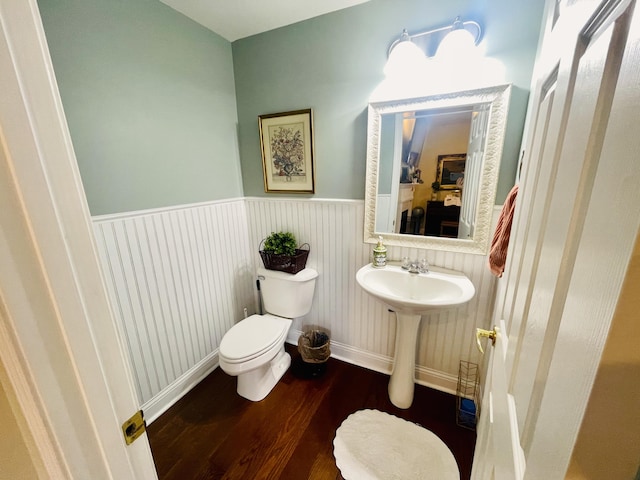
[[379, 254]]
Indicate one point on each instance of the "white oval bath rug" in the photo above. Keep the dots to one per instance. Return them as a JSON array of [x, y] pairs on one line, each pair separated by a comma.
[[373, 445]]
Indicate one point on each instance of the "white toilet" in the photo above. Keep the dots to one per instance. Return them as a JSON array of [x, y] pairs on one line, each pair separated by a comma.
[[253, 349]]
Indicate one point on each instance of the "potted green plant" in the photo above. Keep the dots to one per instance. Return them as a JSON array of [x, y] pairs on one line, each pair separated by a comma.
[[281, 243], [280, 252]]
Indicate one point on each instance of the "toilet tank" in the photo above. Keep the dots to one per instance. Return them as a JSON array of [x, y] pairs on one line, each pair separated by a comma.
[[285, 294]]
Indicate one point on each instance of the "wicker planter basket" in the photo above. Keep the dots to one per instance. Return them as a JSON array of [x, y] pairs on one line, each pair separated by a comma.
[[285, 263]]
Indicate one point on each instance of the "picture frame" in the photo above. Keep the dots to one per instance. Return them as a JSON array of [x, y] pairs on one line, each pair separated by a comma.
[[450, 173], [286, 143]]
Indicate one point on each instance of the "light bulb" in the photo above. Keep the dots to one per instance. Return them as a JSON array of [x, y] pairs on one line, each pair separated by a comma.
[[457, 43], [405, 58]]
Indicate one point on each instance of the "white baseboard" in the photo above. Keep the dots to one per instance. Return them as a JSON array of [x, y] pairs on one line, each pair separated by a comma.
[[180, 387], [372, 361], [383, 364]]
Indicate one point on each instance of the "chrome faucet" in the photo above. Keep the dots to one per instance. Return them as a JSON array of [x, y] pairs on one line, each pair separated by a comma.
[[415, 266]]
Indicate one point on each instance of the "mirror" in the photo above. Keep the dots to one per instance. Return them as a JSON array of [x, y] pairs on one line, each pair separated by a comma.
[[432, 169]]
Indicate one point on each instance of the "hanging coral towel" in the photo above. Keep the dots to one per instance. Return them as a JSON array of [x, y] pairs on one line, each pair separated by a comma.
[[500, 242]]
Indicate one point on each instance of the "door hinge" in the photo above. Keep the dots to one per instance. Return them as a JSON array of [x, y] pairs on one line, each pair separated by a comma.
[[134, 427]]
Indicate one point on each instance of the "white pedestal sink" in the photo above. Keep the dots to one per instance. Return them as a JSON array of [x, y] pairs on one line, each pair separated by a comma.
[[412, 295]]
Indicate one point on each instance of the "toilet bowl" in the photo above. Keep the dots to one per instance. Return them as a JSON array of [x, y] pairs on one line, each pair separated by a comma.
[[253, 349]]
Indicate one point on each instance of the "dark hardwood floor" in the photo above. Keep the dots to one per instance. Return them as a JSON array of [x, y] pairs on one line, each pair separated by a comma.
[[212, 433]]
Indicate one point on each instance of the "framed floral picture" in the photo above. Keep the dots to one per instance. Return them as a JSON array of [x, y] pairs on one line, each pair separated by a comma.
[[286, 140]]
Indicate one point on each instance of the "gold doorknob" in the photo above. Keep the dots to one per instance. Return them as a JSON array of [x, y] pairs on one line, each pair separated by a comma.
[[482, 333]]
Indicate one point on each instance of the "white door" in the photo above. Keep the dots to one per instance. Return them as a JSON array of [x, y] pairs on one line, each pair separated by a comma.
[[58, 340], [577, 217], [473, 170], [503, 458], [395, 204]]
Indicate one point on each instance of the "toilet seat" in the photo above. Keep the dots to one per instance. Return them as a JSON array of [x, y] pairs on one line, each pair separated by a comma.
[[252, 337]]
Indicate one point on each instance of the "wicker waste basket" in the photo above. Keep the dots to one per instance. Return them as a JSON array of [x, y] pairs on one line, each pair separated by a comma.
[[314, 348]]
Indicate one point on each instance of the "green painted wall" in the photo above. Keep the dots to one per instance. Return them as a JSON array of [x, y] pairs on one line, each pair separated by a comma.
[[334, 62], [150, 100], [150, 96]]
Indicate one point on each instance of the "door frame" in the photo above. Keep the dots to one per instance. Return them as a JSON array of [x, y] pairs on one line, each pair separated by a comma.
[[592, 286], [73, 390], [74, 397]]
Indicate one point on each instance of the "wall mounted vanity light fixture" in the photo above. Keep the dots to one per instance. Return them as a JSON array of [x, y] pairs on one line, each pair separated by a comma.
[[445, 59], [428, 41], [408, 53]]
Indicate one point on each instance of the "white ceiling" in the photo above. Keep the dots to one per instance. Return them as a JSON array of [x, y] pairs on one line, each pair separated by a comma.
[[234, 19]]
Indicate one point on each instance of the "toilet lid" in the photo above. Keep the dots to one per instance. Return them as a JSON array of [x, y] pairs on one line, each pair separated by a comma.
[[252, 336]]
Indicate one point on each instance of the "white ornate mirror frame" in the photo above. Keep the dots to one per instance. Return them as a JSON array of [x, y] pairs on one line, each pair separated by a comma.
[[498, 98]]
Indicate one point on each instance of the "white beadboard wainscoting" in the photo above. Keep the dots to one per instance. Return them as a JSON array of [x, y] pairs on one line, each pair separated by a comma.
[[362, 329], [180, 277]]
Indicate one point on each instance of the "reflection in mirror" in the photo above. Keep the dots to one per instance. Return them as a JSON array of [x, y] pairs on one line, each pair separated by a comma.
[[432, 167], [450, 171]]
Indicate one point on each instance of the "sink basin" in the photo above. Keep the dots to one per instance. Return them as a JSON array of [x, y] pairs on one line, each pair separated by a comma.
[[411, 295], [415, 293]]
